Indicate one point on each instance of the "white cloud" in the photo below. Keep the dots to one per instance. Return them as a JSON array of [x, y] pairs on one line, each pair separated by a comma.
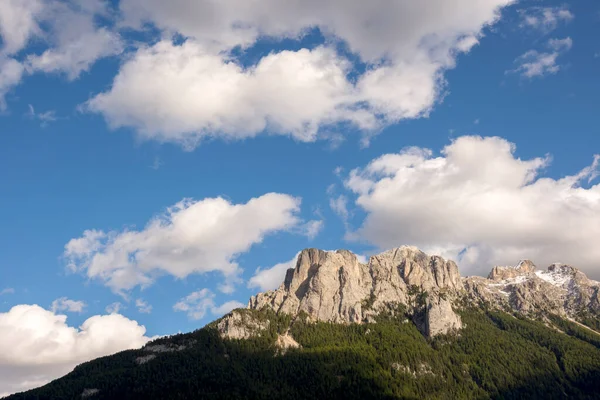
[[312, 228], [537, 64], [198, 303], [74, 39], [271, 278], [65, 304], [143, 307], [208, 95], [7, 291], [190, 237], [78, 55], [114, 308], [479, 203], [37, 345], [65, 30], [560, 44], [11, 72], [339, 205], [18, 22], [545, 19], [187, 92]]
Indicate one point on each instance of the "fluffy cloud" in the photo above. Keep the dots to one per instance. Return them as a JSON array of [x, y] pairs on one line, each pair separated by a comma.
[[537, 64], [545, 19], [271, 278], [65, 304], [480, 204], [77, 55], [183, 93], [75, 40], [37, 345], [190, 237], [18, 22], [195, 94], [198, 303], [66, 30]]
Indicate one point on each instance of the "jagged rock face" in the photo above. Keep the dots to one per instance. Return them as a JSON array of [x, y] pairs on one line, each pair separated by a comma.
[[336, 287], [562, 289], [501, 273], [440, 318]]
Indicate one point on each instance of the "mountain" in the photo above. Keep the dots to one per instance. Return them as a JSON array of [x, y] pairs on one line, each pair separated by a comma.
[[404, 325], [336, 287]]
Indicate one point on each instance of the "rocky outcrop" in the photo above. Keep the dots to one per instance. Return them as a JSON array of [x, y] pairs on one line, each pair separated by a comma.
[[440, 318], [285, 342], [239, 324], [502, 273], [561, 290], [336, 287]]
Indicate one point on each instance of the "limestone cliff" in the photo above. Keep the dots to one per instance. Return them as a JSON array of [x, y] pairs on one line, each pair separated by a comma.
[[336, 287]]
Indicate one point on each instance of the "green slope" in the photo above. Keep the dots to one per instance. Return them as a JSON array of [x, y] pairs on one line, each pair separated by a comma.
[[496, 356]]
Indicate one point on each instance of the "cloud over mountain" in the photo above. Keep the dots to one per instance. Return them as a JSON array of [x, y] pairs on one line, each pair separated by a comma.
[[480, 204]]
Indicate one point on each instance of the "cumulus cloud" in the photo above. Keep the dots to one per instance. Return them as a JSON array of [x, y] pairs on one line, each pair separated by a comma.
[[37, 345], [271, 278], [190, 237], [481, 205], [75, 41], [198, 303], [197, 89], [537, 64], [66, 30], [545, 19], [18, 22], [65, 304]]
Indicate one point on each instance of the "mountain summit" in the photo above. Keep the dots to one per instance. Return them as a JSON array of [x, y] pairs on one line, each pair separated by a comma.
[[336, 287]]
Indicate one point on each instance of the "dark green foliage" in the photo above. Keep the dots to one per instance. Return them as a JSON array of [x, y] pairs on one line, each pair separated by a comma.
[[496, 356]]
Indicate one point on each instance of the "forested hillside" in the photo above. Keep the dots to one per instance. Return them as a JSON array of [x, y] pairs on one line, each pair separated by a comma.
[[495, 355]]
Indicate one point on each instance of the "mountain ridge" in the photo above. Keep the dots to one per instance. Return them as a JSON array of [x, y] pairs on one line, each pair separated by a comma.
[[333, 286], [405, 325]]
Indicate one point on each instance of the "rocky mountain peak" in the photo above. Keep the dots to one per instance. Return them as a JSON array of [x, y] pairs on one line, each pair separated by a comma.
[[523, 268], [334, 286]]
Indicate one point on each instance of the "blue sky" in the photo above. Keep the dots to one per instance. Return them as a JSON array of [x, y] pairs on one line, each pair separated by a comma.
[[110, 122]]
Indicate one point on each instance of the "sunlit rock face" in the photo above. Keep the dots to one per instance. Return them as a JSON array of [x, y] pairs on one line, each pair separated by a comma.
[[561, 289], [334, 286]]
